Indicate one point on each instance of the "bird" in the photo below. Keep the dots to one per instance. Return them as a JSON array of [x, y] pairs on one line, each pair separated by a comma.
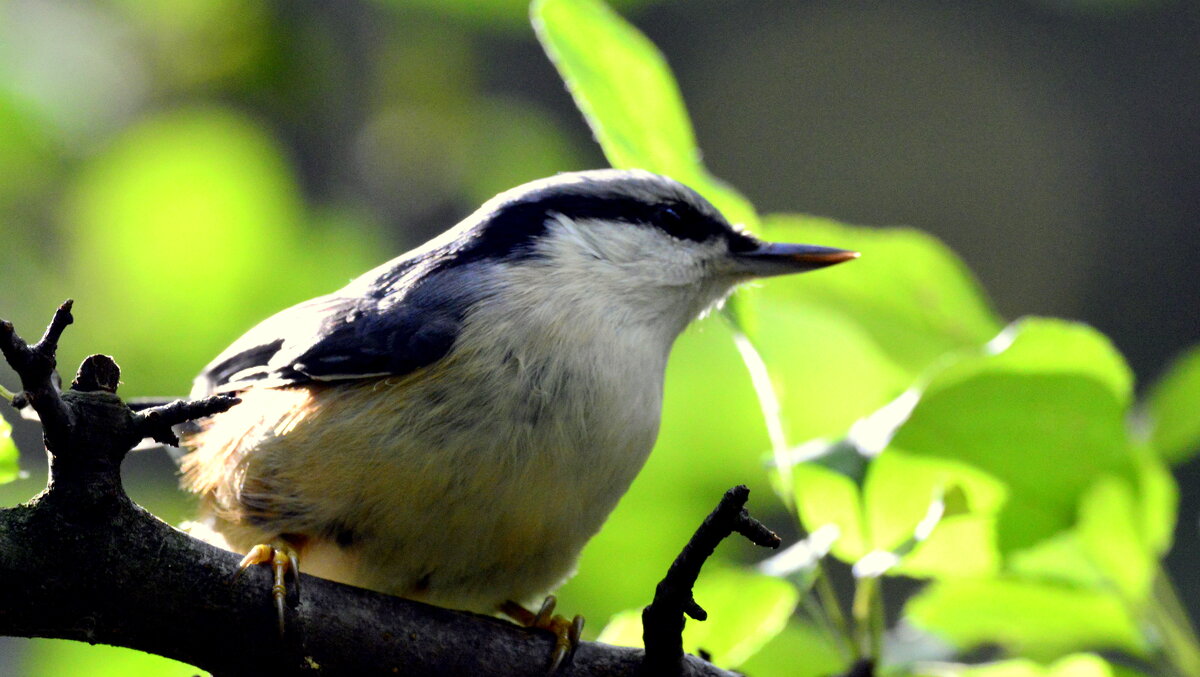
[[454, 425]]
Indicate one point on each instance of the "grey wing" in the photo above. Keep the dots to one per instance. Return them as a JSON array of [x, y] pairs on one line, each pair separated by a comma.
[[345, 335]]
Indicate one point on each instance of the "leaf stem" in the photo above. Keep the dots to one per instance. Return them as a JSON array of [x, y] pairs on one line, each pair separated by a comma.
[[878, 622], [813, 608], [833, 610], [1174, 626], [768, 403], [864, 592]]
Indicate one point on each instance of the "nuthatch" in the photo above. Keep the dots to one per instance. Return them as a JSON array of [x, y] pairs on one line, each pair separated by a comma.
[[454, 425]]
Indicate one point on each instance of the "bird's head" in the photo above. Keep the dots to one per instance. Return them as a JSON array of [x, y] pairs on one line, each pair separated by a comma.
[[627, 243]]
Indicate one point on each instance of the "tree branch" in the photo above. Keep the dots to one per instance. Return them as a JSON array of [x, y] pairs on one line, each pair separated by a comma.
[[81, 561]]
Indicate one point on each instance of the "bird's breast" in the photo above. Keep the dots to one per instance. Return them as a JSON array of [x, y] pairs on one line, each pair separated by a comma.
[[471, 481]]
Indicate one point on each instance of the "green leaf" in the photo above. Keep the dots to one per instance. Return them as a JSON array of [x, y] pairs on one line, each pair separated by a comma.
[[824, 496], [1122, 529], [801, 650], [1075, 665], [1042, 409], [1046, 346], [908, 292], [959, 547], [8, 454], [1060, 559], [623, 629], [60, 657], [745, 611], [625, 89], [1037, 619], [1173, 409], [897, 494], [842, 343], [883, 505], [1158, 503], [1110, 533], [809, 352]]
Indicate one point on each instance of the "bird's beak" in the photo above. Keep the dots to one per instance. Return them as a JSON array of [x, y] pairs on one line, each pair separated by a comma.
[[772, 258]]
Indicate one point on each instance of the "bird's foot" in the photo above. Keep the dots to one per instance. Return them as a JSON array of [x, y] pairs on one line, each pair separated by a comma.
[[281, 558], [566, 633]]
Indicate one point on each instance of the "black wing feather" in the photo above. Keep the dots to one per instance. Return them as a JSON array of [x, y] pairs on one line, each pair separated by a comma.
[[390, 322]]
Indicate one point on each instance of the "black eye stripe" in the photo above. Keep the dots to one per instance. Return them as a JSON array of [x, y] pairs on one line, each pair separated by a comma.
[[669, 219], [511, 228]]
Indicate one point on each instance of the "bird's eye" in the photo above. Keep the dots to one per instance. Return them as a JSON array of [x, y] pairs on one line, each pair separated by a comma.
[[670, 221]]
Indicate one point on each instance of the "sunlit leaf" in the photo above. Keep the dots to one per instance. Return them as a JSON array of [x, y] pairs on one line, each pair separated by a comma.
[[1116, 542], [1173, 409], [623, 86], [8, 454], [1022, 428], [944, 506], [960, 546], [61, 657], [1036, 619], [799, 651], [1042, 409], [1047, 346], [745, 611], [1158, 503], [827, 371], [843, 342], [483, 15], [1062, 559], [623, 629], [898, 492], [1110, 533], [827, 497], [909, 292], [1076, 665]]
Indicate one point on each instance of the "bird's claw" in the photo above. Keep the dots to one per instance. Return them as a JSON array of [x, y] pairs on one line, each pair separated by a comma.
[[281, 558], [566, 633], [566, 638]]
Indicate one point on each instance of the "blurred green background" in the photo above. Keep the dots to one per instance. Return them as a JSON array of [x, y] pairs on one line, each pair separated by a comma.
[[183, 169]]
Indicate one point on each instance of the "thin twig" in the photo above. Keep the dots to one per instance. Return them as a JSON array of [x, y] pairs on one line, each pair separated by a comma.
[[156, 422], [663, 619]]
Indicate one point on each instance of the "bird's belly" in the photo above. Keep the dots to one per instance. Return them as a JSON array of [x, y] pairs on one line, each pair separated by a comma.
[[476, 549], [484, 502], [491, 525]]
